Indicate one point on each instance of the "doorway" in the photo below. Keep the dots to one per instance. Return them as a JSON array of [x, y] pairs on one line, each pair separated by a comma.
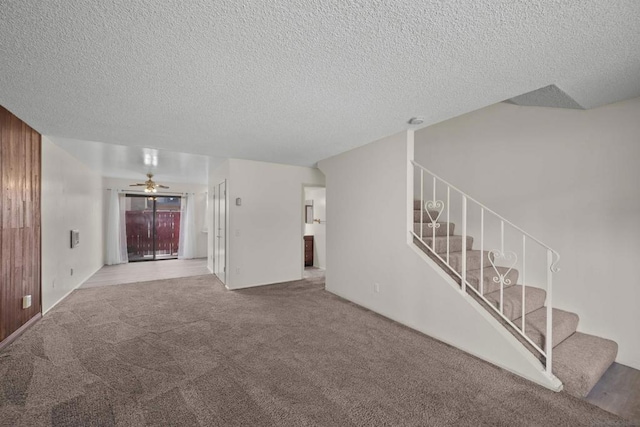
[[152, 227], [314, 231], [220, 219]]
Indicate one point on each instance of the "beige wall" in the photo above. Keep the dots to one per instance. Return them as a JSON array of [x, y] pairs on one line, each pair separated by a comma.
[[372, 262], [71, 199], [570, 178], [265, 232]]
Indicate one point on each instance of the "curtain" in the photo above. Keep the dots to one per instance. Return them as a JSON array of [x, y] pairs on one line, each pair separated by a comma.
[[205, 225], [188, 235], [116, 230]]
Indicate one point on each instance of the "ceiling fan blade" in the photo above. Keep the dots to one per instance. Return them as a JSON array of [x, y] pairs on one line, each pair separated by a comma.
[[136, 185], [161, 186]]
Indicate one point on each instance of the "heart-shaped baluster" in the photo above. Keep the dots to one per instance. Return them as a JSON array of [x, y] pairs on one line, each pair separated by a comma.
[[510, 258], [438, 206]]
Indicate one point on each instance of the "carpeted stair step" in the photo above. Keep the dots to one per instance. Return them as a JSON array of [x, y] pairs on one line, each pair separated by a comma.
[[512, 300], [581, 360], [488, 273], [425, 217], [439, 244], [428, 231], [565, 324], [473, 260]]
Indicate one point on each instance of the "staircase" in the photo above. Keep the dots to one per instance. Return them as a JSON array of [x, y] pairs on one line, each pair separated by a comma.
[[491, 277]]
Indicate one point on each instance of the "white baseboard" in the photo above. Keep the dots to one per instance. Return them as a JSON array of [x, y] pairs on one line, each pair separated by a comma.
[[551, 384], [256, 285], [71, 290]]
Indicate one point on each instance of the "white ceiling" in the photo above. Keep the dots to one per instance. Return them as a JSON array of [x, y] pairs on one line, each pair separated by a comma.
[[120, 161], [300, 80]]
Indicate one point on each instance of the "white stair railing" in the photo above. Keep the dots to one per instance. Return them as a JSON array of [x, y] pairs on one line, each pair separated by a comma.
[[501, 260]]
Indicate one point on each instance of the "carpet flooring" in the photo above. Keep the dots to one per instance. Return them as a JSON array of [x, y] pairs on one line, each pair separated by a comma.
[[187, 352]]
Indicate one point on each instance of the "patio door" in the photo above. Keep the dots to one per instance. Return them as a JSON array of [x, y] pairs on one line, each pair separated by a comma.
[[153, 227]]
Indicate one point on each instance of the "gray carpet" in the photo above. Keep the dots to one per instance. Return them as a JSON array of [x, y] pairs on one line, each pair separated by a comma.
[[579, 360], [188, 352]]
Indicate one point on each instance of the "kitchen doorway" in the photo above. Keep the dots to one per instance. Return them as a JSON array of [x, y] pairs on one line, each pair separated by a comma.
[[314, 233]]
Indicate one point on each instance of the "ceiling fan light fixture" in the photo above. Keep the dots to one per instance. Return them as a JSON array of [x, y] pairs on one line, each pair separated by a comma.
[[149, 185]]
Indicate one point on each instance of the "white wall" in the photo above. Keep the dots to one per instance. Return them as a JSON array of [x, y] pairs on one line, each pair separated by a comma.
[[570, 178], [317, 230], [71, 199], [200, 198], [368, 220], [265, 242]]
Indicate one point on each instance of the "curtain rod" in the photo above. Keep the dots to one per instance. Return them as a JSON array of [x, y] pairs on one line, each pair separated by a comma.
[[175, 193]]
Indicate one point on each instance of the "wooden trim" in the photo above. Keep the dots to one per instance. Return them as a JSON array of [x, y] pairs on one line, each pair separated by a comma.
[[20, 331]]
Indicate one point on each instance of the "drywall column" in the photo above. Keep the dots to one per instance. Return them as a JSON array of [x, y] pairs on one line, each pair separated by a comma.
[[265, 225], [19, 224]]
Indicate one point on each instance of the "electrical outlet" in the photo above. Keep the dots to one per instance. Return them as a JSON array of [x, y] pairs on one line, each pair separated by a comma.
[[237, 271], [53, 284], [376, 287], [26, 301], [72, 271]]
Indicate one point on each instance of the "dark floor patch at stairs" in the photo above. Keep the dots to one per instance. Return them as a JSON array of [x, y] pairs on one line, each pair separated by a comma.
[[578, 359]]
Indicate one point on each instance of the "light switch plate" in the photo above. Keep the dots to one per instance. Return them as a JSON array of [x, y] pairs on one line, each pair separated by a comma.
[[75, 238]]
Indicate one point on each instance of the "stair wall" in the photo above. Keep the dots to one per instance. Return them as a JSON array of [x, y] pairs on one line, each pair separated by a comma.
[[368, 221], [569, 178]]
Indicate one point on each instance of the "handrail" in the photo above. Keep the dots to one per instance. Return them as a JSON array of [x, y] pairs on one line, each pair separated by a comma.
[[434, 209], [554, 266]]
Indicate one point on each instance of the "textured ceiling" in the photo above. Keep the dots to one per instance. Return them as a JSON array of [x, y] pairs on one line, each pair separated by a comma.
[[297, 81]]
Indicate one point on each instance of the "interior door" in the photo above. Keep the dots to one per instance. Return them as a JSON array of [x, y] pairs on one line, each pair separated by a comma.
[[221, 231]]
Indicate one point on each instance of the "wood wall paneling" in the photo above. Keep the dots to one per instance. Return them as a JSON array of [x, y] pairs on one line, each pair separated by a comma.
[[19, 222]]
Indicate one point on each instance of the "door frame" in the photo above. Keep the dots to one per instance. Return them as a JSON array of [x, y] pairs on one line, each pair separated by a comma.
[[221, 228], [153, 224], [303, 200]]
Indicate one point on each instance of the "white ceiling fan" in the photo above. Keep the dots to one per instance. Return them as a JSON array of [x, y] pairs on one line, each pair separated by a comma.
[[150, 185]]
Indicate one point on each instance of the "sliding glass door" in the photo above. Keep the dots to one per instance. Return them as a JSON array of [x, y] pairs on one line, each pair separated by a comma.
[[153, 227]]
